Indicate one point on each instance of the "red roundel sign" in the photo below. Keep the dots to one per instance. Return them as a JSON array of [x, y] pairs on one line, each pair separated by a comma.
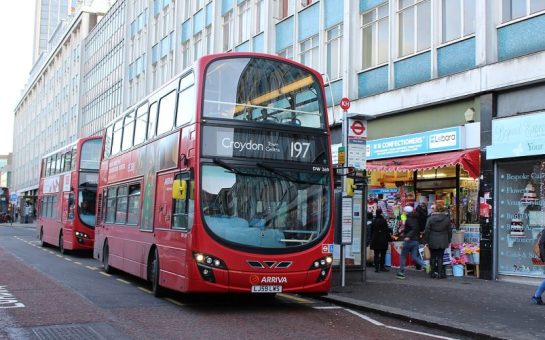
[[345, 103], [357, 127]]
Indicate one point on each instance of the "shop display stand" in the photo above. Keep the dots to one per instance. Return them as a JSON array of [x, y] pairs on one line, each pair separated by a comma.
[[472, 269]]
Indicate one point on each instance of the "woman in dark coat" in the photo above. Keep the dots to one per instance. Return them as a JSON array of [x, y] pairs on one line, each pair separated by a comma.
[[380, 239], [437, 235]]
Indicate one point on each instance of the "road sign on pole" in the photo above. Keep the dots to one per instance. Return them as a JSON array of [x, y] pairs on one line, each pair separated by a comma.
[[344, 103]]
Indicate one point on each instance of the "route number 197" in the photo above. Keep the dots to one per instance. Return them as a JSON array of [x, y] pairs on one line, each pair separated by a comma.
[[299, 149]]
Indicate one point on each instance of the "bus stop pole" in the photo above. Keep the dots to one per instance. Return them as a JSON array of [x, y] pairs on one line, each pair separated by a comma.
[[343, 186]]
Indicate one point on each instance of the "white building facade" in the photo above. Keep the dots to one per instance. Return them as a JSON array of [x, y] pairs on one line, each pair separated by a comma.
[[416, 65]]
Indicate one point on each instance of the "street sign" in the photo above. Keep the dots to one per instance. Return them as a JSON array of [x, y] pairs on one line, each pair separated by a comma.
[[13, 197], [341, 156], [357, 129], [344, 103], [346, 221]]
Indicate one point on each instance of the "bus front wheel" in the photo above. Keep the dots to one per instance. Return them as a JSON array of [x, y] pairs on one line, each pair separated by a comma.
[[61, 245], [154, 274]]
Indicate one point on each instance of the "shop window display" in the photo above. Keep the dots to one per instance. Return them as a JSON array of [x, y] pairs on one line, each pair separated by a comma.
[[521, 215]]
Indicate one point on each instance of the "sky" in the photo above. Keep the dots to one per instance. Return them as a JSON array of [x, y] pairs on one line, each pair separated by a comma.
[[16, 38]]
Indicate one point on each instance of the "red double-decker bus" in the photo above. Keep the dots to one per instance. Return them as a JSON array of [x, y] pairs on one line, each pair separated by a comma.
[[67, 195], [221, 181]]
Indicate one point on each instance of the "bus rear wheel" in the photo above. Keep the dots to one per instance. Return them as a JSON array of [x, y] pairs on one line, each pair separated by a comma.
[[153, 274], [42, 243], [105, 258]]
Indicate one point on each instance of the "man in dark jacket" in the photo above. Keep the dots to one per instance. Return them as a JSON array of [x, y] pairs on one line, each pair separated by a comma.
[[438, 234], [411, 237], [422, 213], [536, 299]]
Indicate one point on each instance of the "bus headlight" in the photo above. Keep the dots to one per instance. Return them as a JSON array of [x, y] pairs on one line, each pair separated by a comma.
[[209, 261], [206, 264], [81, 235], [324, 265]]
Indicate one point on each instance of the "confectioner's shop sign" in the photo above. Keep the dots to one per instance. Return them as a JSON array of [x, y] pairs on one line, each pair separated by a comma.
[[448, 139], [517, 137]]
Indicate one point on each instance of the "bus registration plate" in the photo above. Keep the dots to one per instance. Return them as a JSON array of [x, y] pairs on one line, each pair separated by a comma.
[[266, 289]]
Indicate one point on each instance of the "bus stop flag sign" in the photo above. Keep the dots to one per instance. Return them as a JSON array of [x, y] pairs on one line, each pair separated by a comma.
[[357, 143]]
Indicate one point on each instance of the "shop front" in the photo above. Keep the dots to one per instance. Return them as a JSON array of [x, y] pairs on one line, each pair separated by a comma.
[[432, 167], [518, 153]]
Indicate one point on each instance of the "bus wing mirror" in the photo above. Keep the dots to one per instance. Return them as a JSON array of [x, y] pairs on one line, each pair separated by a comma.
[[179, 189]]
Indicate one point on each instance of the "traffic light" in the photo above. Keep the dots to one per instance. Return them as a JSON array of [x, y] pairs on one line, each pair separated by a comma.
[[349, 185]]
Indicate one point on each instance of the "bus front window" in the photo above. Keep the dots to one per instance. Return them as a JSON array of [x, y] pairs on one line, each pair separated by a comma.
[[256, 207], [87, 191], [263, 91]]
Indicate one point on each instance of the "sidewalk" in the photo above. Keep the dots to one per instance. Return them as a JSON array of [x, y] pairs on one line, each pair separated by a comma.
[[19, 225], [465, 305]]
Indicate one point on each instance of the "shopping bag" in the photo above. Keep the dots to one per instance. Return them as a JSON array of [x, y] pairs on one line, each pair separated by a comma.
[[370, 255], [427, 253]]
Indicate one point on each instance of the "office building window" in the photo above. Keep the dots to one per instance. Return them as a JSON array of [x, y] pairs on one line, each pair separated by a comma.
[[458, 19], [259, 16], [334, 46], [244, 21], [414, 26], [309, 54], [375, 36], [285, 8], [515, 9], [187, 9], [228, 31], [198, 4], [305, 3], [207, 40], [198, 45], [287, 52], [186, 54]]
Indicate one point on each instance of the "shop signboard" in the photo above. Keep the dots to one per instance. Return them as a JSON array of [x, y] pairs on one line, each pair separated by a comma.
[[448, 139], [517, 137]]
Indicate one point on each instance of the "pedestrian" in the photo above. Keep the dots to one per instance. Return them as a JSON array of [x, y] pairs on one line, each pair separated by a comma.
[[438, 235], [380, 239], [422, 213], [411, 241], [536, 298]]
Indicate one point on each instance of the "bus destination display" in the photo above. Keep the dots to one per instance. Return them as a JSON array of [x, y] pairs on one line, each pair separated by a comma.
[[262, 144]]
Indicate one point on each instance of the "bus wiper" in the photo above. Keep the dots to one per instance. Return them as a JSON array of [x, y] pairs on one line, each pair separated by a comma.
[[235, 171], [285, 176], [276, 172], [225, 165]]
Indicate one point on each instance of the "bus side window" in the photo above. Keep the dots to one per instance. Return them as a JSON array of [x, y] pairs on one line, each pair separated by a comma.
[[109, 215], [108, 141], [167, 109], [121, 205], [128, 132], [186, 100], [141, 124], [183, 209], [70, 206], [58, 164], [67, 161], [134, 204], [186, 106], [118, 134], [152, 120], [73, 165]]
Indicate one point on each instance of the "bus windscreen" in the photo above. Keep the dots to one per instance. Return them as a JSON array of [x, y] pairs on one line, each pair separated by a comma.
[[263, 90]]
